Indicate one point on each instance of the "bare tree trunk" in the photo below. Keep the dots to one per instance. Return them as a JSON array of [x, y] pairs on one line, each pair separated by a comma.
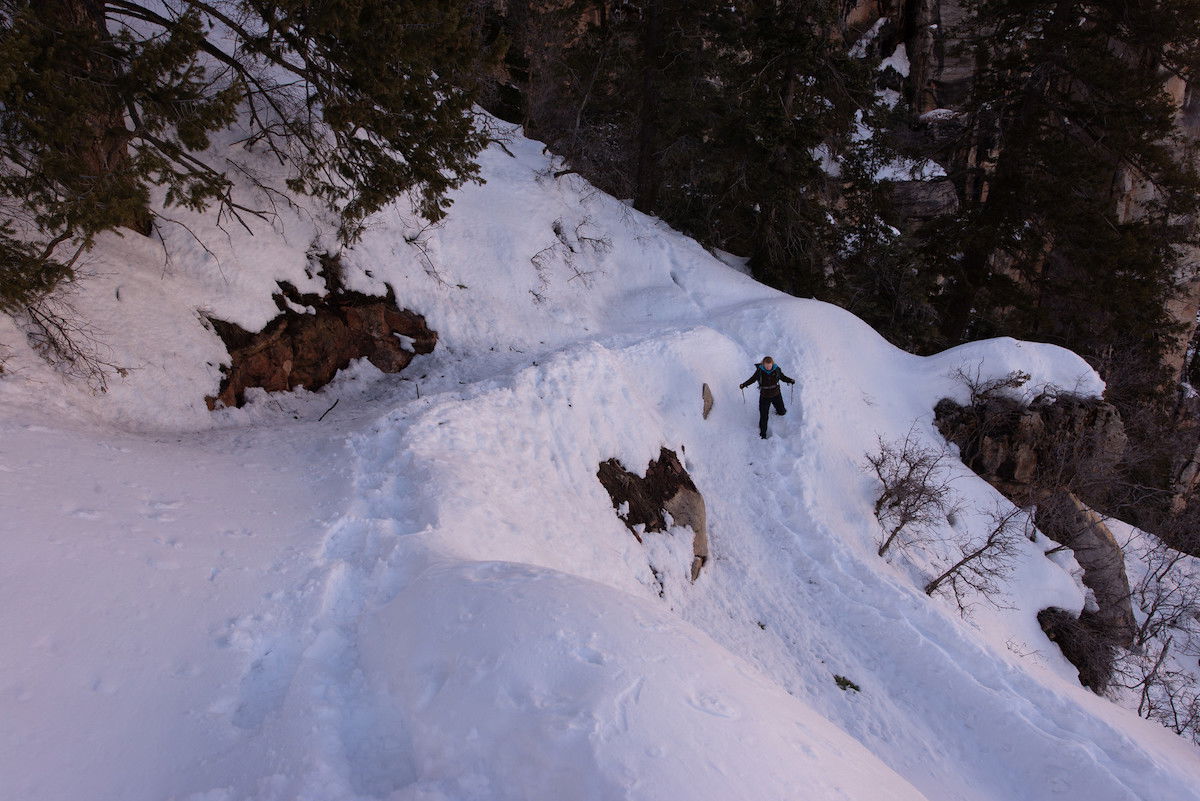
[[103, 150], [887, 543], [932, 586], [646, 197]]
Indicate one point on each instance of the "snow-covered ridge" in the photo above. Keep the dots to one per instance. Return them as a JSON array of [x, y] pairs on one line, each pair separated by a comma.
[[428, 595]]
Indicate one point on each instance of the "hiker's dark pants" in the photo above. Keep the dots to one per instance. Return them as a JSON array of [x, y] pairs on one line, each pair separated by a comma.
[[764, 408]]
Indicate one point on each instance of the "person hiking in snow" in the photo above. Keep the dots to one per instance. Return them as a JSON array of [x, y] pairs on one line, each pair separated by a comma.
[[768, 375]]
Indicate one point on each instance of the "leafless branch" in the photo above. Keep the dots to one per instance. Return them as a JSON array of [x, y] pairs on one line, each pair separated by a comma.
[[984, 564], [53, 329], [914, 491]]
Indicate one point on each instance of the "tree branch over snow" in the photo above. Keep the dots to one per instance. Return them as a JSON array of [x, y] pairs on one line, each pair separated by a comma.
[[361, 101], [984, 564], [914, 489]]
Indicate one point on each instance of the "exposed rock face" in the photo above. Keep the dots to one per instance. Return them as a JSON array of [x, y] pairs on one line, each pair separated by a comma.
[[706, 397], [1066, 519], [1025, 450], [1187, 481], [667, 489], [942, 70], [860, 14], [307, 349], [1034, 454], [917, 202]]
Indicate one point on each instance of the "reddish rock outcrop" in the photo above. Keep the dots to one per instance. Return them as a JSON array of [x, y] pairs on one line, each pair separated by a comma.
[[306, 349], [666, 489]]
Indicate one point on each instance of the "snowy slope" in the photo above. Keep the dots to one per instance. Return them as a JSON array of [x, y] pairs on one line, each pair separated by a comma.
[[429, 596]]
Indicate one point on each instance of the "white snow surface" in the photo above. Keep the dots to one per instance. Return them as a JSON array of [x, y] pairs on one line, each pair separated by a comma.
[[428, 594], [898, 61]]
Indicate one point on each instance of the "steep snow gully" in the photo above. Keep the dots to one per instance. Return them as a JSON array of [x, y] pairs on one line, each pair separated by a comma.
[[429, 596]]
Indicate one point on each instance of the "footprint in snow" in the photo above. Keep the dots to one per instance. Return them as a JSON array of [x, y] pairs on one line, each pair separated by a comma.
[[710, 704], [590, 655], [86, 514], [159, 511], [265, 684]]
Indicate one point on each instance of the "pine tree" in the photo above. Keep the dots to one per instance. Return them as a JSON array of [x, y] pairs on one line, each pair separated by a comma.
[[1069, 113], [713, 116], [793, 98], [362, 101]]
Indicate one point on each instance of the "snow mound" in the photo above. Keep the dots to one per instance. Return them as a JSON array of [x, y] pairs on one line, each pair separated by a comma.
[[516, 682]]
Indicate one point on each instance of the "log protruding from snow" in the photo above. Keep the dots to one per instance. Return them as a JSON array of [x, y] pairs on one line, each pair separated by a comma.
[[666, 492]]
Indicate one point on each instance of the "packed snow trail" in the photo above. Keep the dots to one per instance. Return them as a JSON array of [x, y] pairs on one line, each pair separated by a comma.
[[135, 573], [526, 442], [522, 442], [429, 594]]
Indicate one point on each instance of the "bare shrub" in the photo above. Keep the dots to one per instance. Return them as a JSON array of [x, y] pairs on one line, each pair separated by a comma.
[[1168, 594], [1171, 697], [1180, 526], [916, 499], [915, 492], [419, 239], [1169, 599], [1085, 642], [53, 328], [984, 564], [1166, 693], [986, 389], [569, 247]]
